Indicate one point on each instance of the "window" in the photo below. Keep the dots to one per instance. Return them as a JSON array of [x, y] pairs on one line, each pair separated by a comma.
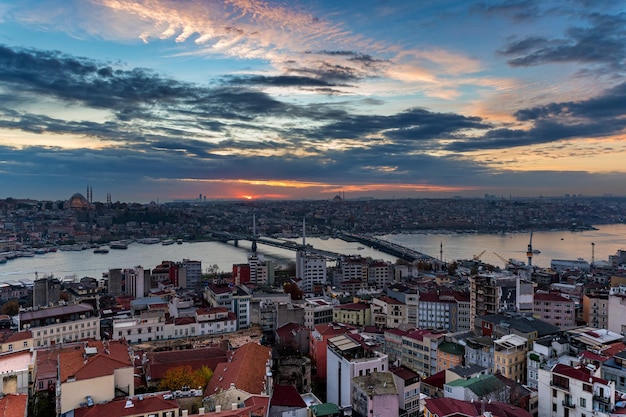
[[583, 402], [10, 348], [553, 407]]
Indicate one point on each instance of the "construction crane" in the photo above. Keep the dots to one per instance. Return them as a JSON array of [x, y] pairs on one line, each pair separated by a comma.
[[477, 257], [510, 262]]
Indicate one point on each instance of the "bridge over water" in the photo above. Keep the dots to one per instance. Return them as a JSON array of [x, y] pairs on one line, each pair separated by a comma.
[[381, 245]]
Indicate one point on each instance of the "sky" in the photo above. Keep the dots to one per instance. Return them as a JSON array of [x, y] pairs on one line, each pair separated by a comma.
[[160, 100]]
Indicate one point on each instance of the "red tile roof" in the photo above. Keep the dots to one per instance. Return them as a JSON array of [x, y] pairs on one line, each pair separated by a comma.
[[444, 407], [552, 297], [419, 334], [14, 405], [150, 404], [333, 329], [286, 329], [287, 396], [159, 362], [581, 374], [246, 370], [74, 363], [14, 337]]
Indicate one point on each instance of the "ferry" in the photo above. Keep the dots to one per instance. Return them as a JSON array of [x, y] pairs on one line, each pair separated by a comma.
[[167, 242], [179, 241], [118, 245], [101, 249]]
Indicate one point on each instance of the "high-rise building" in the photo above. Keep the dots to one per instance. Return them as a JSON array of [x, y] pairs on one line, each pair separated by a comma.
[[311, 269]]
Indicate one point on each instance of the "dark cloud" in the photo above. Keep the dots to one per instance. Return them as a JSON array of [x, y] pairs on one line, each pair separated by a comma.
[[278, 81], [596, 117], [413, 124], [603, 41]]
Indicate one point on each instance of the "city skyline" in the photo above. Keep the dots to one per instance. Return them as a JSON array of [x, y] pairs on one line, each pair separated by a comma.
[[248, 99]]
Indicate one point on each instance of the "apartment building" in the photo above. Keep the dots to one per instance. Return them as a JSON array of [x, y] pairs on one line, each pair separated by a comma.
[[444, 309], [509, 357], [60, 324], [555, 309], [596, 307], [356, 314], [419, 351], [617, 310], [311, 268], [408, 387], [379, 274], [346, 359], [388, 312], [565, 391]]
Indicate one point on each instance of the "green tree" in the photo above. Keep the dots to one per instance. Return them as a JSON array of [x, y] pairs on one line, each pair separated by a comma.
[[181, 376]]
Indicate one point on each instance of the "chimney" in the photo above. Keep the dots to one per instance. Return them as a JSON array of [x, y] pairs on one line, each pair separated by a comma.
[[185, 413], [201, 411], [218, 409], [235, 406]]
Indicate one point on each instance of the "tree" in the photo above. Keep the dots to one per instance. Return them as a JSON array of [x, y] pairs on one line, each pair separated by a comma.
[[293, 290], [179, 377], [11, 308], [206, 374]]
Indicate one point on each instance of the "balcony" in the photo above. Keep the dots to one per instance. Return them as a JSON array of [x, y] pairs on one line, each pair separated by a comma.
[[602, 399], [568, 403], [559, 386]]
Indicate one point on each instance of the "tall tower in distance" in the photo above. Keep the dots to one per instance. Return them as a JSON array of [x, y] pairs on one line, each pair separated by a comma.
[[529, 251]]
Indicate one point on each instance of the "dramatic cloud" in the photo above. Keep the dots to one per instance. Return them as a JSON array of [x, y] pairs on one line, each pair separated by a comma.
[[601, 42]]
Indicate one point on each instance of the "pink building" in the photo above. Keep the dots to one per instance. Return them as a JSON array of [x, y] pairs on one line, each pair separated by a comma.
[[554, 309]]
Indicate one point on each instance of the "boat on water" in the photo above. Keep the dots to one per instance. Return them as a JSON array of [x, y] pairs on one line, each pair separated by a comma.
[[179, 241], [118, 245], [149, 240], [324, 237], [167, 242], [101, 249], [360, 248], [3, 260], [536, 251]]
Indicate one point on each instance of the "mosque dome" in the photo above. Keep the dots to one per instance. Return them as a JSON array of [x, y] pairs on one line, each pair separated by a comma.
[[77, 201]]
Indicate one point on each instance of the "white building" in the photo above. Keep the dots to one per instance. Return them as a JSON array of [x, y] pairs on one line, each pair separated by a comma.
[[60, 324], [234, 299], [318, 310], [617, 310], [565, 391], [345, 360], [311, 269]]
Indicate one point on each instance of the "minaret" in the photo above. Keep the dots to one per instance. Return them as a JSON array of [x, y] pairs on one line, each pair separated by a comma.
[[441, 253], [253, 234]]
